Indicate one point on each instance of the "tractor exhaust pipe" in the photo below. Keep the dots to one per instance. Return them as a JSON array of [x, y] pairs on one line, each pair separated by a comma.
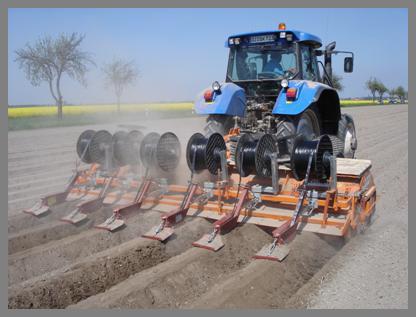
[[328, 59]]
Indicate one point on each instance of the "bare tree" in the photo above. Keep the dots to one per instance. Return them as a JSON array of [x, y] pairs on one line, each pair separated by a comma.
[[49, 59], [381, 89], [401, 93], [336, 82], [372, 85], [119, 74]]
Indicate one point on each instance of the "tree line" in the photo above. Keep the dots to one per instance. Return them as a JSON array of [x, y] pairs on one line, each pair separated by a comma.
[[375, 86], [48, 59]]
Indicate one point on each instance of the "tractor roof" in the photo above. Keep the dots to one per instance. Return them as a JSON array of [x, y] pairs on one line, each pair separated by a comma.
[[297, 36]]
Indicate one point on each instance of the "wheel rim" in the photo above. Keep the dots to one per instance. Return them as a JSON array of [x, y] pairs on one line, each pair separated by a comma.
[[349, 142]]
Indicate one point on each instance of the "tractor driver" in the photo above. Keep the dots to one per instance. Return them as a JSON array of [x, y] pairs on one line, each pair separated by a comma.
[[273, 64]]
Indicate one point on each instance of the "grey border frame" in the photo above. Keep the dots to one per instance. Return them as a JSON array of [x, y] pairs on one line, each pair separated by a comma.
[[4, 5]]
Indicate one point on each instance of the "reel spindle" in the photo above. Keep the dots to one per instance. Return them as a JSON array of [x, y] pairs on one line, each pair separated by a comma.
[[100, 147]]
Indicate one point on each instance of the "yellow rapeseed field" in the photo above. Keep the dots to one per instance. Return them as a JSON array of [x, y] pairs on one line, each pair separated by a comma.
[[45, 111], [359, 102], [41, 111]]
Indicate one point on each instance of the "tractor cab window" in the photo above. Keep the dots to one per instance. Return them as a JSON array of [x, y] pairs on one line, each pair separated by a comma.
[[256, 63], [309, 66]]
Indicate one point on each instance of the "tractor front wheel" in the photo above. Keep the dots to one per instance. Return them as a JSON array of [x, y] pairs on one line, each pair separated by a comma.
[[346, 133], [218, 123], [309, 124]]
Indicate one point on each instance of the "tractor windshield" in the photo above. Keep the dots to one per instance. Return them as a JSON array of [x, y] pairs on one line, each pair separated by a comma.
[[261, 63]]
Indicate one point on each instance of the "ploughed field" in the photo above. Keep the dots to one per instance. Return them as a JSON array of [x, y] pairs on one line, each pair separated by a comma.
[[57, 265]]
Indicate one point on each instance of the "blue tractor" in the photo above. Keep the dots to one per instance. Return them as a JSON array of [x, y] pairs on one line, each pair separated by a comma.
[[277, 84]]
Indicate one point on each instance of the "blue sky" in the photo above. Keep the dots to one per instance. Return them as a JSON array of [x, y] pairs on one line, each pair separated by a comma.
[[181, 51]]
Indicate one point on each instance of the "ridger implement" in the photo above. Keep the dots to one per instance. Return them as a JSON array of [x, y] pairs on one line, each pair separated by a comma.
[[211, 155], [79, 179], [117, 155], [103, 154], [156, 153], [318, 193]]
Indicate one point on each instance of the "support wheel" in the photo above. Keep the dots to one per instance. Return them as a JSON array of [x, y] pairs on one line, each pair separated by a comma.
[[337, 146], [350, 234]]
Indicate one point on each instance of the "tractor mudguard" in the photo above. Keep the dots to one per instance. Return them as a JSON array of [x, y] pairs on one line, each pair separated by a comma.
[[231, 101], [307, 92]]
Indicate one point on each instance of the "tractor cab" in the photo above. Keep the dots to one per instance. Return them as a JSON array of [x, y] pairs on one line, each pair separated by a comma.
[[258, 62]]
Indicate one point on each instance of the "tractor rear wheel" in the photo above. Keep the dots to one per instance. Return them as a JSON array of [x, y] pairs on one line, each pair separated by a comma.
[[308, 124], [218, 123]]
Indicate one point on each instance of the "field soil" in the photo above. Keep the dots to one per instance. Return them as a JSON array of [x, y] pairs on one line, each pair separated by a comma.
[[58, 265]]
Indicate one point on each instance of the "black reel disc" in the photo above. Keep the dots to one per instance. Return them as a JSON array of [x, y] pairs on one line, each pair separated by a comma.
[[168, 152], [100, 141], [195, 153], [302, 149], [204, 153], [245, 155], [148, 149], [215, 145], [120, 147], [266, 146], [83, 144], [134, 139]]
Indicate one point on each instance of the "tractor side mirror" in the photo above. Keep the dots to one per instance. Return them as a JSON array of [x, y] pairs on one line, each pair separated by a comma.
[[330, 47], [348, 64]]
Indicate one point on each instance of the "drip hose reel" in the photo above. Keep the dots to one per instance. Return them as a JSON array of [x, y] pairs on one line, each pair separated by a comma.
[[134, 139], [100, 148], [126, 147], [205, 153], [83, 144], [160, 151], [255, 155], [321, 151], [120, 148]]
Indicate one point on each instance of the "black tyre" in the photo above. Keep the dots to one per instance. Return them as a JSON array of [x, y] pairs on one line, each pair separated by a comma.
[[217, 123], [285, 129], [308, 124]]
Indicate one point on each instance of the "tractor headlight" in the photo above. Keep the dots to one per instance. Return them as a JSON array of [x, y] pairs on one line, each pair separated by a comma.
[[284, 83], [216, 87]]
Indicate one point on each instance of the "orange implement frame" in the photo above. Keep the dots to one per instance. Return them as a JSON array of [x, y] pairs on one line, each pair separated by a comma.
[[337, 210]]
